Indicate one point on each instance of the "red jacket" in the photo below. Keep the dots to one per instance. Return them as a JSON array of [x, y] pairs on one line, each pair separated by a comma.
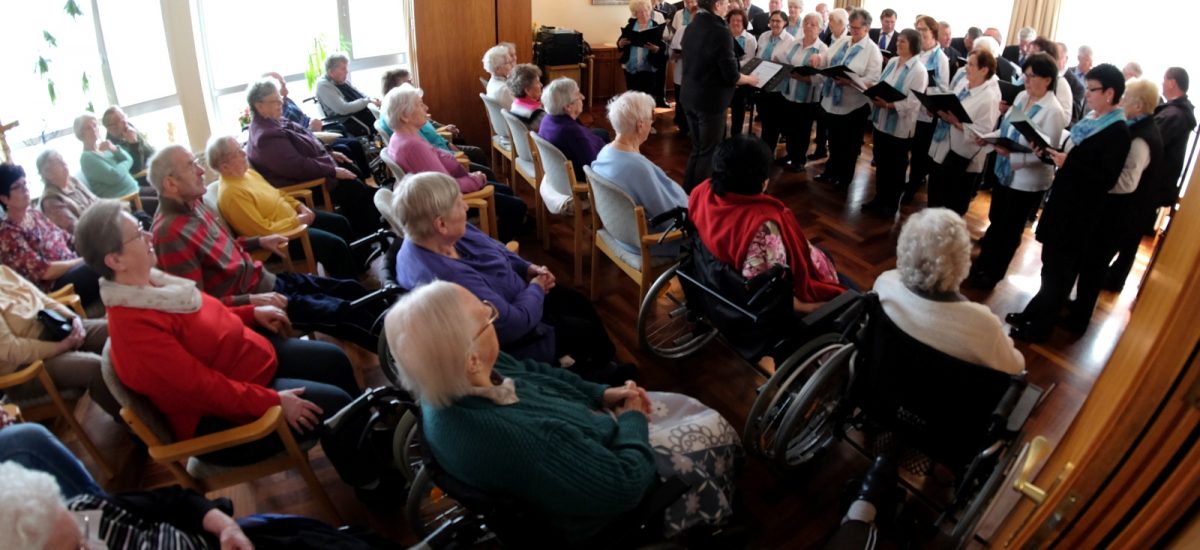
[[189, 365]]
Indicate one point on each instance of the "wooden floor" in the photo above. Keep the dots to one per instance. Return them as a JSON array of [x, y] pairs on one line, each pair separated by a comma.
[[799, 511]]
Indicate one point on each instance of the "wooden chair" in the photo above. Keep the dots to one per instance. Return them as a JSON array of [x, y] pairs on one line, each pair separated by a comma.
[[183, 458], [134, 200], [67, 297], [53, 404], [312, 186], [501, 137], [557, 175], [300, 232], [483, 200], [525, 165], [616, 217]]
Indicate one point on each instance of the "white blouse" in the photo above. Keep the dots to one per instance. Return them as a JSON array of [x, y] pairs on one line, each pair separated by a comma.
[[905, 109], [800, 91], [1029, 172], [749, 46], [867, 64], [935, 86], [983, 106]]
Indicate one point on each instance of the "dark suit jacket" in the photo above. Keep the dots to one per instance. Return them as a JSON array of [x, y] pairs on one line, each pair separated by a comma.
[[1080, 186], [1077, 99], [1012, 53], [1006, 69], [826, 36], [958, 44], [953, 54], [1176, 119], [758, 20], [873, 34], [710, 70]]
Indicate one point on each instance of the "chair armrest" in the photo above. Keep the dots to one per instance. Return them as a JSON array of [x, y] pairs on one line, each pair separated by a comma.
[[652, 239], [67, 297], [266, 425], [295, 232], [463, 160], [305, 196], [21, 376], [486, 193]]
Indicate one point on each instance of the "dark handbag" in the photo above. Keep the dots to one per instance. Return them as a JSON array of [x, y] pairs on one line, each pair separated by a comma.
[[57, 327]]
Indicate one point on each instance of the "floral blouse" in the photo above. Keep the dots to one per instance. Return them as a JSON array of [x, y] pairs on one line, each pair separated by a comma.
[[29, 250], [767, 249]]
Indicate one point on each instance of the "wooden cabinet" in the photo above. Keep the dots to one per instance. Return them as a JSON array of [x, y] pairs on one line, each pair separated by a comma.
[[607, 72]]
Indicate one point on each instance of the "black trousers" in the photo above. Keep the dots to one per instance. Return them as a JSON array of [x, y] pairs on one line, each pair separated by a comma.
[[356, 201], [1061, 263], [737, 110], [845, 143], [642, 82], [1104, 243], [822, 134], [772, 112], [323, 304], [353, 149], [1008, 216], [798, 129], [511, 213], [1127, 246], [951, 185], [578, 330], [708, 129], [891, 160], [86, 281], [920, 165], [681, 119]]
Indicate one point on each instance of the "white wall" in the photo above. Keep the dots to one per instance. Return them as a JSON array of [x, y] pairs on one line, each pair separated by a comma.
[[598, 24]]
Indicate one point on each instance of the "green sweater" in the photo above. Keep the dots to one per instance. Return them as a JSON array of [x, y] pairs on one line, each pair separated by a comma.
[[553, 448], [107, 173]]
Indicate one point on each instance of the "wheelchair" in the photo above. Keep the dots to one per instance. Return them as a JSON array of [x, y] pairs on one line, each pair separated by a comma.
[[884, 392], [700, 299]]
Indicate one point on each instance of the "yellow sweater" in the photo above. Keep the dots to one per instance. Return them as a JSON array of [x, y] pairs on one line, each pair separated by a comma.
[[253, 208], [20, 331]]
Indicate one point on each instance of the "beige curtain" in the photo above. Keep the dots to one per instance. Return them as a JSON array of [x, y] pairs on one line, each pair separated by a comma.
[[1042, 15], [847, 4]]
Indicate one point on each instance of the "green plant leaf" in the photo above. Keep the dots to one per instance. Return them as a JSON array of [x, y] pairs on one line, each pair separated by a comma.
[[87, 85], [50, 40], [91, 108], [43, 66], [72, 9], [50, 90]]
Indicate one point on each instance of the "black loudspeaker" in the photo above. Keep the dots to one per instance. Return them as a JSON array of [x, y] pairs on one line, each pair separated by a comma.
[[556, 46]]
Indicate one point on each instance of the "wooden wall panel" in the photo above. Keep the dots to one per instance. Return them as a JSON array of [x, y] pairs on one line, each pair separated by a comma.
[[514, 20], [449, 39]]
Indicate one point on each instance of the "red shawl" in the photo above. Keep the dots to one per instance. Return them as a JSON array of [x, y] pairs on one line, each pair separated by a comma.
[[727, 224]]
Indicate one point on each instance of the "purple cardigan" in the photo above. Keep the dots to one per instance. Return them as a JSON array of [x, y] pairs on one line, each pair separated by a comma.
[[575, 140], [286, 153], [491, 272]]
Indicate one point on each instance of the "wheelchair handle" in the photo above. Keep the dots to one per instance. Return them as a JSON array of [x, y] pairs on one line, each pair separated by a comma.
[[678, 217], [388, 290]]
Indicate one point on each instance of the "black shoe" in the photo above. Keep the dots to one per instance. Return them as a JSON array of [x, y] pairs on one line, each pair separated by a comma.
[[1016, 318], [1027, 333], [825, 177], [794, 166], [818, 154], [879, 481]]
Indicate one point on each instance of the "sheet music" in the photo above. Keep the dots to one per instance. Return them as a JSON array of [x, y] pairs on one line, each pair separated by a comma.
[[765, 71]]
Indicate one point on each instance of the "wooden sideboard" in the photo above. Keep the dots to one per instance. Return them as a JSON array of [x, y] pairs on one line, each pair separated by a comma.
[[607, 71]]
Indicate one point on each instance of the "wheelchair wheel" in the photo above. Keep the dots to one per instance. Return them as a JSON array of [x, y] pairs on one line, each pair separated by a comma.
[[428, 507], [406, 447], [386, 363], [665, 326], [964, 527], [811, 421], [775, 397]]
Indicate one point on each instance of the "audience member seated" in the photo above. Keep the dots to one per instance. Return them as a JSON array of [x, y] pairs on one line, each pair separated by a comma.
[[577, 452], [193, 244], [123, 134], [202, 364], [580, 144], [253, 208], [743, 226], [351, 147], [63, 197], [406, 114], [338, 97], [921, 295], [498, 61], [34, 247], [72, 362], [620, 162], [525, 83], [106, 167], [536, 318], [479, 158], [286, 153], [48, 491]]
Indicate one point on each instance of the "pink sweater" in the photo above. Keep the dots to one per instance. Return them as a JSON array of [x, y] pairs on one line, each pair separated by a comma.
[[416, 155]]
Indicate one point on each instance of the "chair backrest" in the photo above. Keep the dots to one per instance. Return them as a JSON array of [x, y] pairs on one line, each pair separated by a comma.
[[554, 166], [383, 130], [499, 127], [211, 194], [520, 135], [145, 412], [397, 171], [383, 203], [614, 207]]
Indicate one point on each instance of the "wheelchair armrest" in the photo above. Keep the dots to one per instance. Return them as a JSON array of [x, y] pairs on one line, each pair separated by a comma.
[[840, 311], [1031, 395], [388, 290], [1004, 407], [379, 236]]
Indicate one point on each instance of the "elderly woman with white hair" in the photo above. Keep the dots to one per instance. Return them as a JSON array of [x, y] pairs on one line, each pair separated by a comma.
[[580, 144], [498, 62], [63, 198], [105, 166], [338, 97], [536, 318], [921, 296], [406, 113], [622, 163], [580, 453], [641, 62]]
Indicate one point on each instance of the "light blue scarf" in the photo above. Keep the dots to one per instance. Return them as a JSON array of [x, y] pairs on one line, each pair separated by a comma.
[[798, 90], [932, 64], [840, 59], [1004, 169], [943, 127], [901, 85], [637, 55], [1087, 127]]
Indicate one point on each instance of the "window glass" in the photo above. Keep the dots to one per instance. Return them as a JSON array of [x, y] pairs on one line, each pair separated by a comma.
[[378, 28], [245, 39], [137, 49]]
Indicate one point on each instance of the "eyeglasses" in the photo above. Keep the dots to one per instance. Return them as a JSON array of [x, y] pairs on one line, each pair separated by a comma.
[[492, 316], [142, 234]]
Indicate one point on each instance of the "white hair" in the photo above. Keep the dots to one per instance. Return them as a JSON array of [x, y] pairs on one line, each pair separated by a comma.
[[625, 110], [1085, 50], [335, 59], [797, 3], [260, 89], [80, 121], [1026, 34], [419, 199], [432, 337], [934, 251], [494, 58], [30, 507], [559, 94], [841, 15], [988, 43], [400, 102], [635, 5], [217, 150]]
